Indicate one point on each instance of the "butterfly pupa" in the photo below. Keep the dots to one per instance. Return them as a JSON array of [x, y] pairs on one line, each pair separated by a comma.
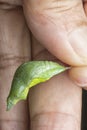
[[28, 75]]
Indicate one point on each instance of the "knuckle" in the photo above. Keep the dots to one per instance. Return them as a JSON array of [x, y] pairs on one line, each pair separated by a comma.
[[6, 6], [7, 60], [9, 4], [54, 120]]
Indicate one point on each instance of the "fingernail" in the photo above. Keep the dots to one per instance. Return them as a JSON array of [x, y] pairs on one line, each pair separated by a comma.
[[78, 41]]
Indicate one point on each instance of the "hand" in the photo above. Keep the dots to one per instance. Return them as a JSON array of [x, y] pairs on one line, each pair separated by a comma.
[[55, 104], [61, 27]]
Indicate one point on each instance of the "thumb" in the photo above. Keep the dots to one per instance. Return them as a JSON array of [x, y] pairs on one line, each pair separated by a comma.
[[61, 27]]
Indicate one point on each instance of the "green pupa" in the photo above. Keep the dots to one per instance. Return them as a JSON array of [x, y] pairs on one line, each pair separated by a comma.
[[28, 75]]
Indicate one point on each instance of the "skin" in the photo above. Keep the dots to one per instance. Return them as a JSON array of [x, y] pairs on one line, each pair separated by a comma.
[[55, 104], [12, 54]]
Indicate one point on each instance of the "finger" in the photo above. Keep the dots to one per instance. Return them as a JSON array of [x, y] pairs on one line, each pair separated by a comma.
[[66, 39], [85, 6], [14, 50], [55, 104]]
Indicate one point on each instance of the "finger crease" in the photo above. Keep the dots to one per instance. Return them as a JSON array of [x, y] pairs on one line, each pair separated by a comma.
[[9, 120], [50, 115], [7, 60]]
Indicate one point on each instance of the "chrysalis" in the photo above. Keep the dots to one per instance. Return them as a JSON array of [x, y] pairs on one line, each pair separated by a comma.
[[28, 75]]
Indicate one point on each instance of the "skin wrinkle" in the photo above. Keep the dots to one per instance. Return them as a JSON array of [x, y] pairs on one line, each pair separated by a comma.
[[12, 2], [41, 16], [60, 8], [10, 120], [69, 26], [6, 6], [49, 113], [54, 8], [8, 60], [35, 119]]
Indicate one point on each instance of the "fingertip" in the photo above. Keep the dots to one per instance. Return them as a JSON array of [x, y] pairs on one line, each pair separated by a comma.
[[79, 76]]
